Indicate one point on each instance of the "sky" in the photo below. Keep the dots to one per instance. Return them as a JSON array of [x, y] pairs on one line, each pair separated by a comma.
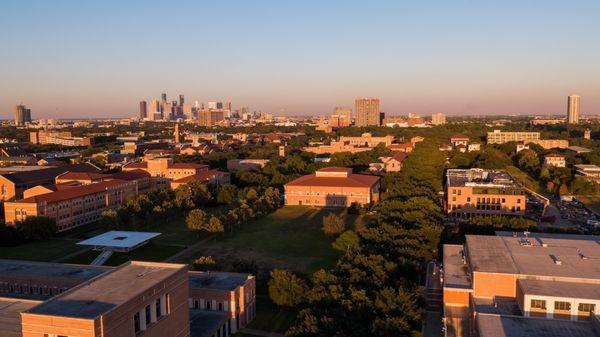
[[88, 59]]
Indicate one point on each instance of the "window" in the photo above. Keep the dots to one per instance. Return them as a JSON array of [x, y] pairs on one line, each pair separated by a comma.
[[157, 307], [147, 311], [586, 307], [468, 199], [538, 304], [136, 322], [207, 305], [558, 305]]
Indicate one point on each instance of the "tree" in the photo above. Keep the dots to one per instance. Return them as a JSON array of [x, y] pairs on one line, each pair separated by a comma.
[[214, 225], [346, 241], [109, 219], [183, 197], [38, 227], [333, 224], [204, 263], [195, 220], [285, 288]]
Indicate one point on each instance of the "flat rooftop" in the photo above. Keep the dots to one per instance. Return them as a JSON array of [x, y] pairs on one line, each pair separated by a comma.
[[119, 239], [479, 178], [32, 269], [102, 294], [514, 326], [498, 306], [456, 272], [10, 315], [203, 323], [539, 254], [217, 280], [589, 291]]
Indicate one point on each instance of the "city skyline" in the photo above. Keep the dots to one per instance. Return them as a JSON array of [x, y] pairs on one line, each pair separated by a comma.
[[300, 59]]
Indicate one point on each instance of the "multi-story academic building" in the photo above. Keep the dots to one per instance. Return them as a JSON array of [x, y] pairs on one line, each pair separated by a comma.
[[501, 137], [71, 205], [482, 192], [144, 299], [13, 184], [522, 284], [332, 187], [368, 140]]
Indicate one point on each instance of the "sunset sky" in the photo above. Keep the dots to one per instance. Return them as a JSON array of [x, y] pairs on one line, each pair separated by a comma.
[[69, 59]]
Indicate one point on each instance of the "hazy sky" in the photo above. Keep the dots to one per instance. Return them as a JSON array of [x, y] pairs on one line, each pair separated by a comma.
[[100, 58]]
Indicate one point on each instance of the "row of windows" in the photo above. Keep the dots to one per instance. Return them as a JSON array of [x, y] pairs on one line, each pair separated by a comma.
[[15, 288], [565, 306], [142, 319], [327, 194]]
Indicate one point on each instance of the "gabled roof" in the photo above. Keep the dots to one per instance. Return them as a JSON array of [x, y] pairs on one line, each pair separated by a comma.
[[201, 176], [352, 180], [71, 193], [131, 175], [400, 156], [47, 175], [82, 176], [459, 136]]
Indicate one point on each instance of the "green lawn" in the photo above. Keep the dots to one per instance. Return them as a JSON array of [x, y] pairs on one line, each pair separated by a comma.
[[270, 318], [290, 238], [150, 252], [42, 250]]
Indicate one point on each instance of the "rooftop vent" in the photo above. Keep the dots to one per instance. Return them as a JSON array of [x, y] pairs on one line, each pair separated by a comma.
[[525, 242], [556, 260]]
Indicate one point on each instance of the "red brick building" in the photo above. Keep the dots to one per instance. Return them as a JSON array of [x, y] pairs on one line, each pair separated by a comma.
[[332, 187]]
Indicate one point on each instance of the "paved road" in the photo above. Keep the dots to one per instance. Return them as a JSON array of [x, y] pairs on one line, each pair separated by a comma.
[[432, 322]]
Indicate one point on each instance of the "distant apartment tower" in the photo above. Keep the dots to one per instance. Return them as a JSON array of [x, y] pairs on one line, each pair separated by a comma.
[[181, 100], [367, 111], [163, 97], [573, 109], [143, 109], [341, 117], [438, 119], [210, 117], [22, 115]]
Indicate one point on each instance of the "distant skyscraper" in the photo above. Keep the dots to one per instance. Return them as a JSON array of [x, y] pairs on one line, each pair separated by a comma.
[[573, 109], [154, 113], [438, 119], [22, 115], [181, 100], [367, 111], [212, 105], [143, 110], [163, 97]]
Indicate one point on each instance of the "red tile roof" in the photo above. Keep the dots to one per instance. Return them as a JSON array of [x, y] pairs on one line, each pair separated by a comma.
[[335, 169], [137, 165], [400, 156], [131, 175], [401, 146], [72, 193], [82, 176], [459, 136], [188, 166], [201, 176], [353, 180]]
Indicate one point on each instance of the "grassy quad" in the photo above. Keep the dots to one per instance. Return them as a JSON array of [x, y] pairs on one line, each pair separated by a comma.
[[289, 238]]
